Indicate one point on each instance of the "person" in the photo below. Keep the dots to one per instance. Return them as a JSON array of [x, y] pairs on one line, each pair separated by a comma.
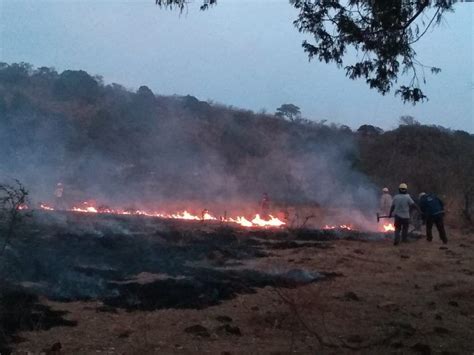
[[385, 202], [432, 209], [265, 206], [58, 196], [401, 204]]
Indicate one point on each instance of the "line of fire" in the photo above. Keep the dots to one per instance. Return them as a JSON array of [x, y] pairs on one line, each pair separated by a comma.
[[266, 216]]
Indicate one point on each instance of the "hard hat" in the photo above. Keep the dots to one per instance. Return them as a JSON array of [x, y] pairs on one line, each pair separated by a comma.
[[403, 186], [421, 194], [385, 189]]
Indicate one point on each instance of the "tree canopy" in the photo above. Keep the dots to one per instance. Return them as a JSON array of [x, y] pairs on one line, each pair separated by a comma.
[[382, 33], [289, 111]]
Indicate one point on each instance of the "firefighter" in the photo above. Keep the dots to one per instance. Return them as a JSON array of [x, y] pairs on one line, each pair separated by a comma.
[[59, 196], [265, 206], [385, 202], [432, 209], [401, 204]]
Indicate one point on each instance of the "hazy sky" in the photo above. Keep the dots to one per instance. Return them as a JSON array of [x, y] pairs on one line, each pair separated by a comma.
[[241, 53]]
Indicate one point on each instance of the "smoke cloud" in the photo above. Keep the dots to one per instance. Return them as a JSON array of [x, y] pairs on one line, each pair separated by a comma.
[[124, 149]]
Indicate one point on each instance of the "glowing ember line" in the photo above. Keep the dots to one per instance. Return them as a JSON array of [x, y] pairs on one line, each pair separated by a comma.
[[85, 209], [257, 221], [44, 206], [342, 226]]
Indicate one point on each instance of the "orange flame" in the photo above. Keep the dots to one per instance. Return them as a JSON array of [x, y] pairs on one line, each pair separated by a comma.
[[44, 206], [342, 226], [257, 221], [388, 227]]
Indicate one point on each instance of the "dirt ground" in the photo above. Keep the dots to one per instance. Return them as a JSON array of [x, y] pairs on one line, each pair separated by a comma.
[[414, 298]]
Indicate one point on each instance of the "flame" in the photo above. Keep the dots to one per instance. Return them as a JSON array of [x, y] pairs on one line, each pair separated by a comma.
[[257, 221], [85, 208], [44, 206], [342, 226], [272, 222], [241, 220]]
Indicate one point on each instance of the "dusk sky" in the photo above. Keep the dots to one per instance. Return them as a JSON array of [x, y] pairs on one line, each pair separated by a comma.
[[246, 54]]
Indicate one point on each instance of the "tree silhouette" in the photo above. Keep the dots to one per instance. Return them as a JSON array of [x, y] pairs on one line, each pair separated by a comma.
[[289, 111], [381, 32]]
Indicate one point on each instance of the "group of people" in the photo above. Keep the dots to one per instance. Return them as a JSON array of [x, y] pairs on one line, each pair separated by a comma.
[[429, 206]]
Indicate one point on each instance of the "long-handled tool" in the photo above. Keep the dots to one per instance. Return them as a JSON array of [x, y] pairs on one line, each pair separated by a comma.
[[379, 217]]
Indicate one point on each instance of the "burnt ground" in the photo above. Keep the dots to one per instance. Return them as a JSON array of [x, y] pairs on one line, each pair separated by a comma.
[[87, 284]]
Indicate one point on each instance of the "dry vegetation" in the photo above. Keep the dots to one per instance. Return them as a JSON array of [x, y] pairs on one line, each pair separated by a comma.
[[237, 291]]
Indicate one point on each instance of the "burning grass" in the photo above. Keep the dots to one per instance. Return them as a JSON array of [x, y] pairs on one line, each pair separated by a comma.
[[247, 221]]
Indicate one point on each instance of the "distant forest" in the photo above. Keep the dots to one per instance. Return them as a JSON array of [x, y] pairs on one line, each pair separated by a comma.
[[108, 140]]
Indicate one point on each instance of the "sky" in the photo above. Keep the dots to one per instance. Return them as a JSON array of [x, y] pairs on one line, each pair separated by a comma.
[[246, 54]]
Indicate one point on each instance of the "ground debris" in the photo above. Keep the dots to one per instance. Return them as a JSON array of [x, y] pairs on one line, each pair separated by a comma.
[[421, 348], [198, 330], [350, 296], [388, 306], [441, 330], [54, 349], [224, 319], [228, 329]]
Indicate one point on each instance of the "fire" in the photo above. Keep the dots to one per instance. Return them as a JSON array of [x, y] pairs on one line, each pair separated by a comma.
[[342, 226], [85, 208], [272, 222], [44, 206], [205, 215], [257, 221], [242, 221]]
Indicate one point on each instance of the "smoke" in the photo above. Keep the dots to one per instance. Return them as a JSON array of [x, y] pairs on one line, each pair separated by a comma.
[[127, 149]]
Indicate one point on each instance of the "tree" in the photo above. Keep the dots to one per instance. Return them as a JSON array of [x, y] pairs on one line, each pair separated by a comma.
[[381, 32], [408, 120], [369, 130], [76, 84], [12, 198], [289, 111]]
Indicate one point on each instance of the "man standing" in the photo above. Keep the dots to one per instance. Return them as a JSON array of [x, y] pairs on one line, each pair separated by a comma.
[[401, 209], [385, 202], [432, 209], [58, 196]]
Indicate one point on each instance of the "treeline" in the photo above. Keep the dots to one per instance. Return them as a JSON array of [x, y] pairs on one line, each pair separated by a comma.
[[105, 139], [429, 158]]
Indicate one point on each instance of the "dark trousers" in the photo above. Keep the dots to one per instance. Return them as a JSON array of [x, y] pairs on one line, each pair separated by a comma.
[[401, 225], [438, 221]]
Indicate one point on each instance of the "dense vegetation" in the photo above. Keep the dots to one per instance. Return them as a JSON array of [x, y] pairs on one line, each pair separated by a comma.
[[108, 140]]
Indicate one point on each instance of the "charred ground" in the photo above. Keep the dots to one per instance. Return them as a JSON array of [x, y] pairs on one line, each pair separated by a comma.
[[137, 284]]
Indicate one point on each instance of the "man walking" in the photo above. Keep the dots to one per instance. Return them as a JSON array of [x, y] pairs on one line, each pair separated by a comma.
[[401, 209], [432, 209]]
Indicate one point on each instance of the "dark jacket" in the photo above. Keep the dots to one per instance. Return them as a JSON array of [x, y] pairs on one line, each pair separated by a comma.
[[431, 205]]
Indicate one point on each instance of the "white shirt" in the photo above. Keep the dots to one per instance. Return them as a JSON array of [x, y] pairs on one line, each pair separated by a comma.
[[385, 203]]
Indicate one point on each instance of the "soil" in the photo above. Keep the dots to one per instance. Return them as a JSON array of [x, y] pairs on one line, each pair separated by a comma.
[[131, 285]]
